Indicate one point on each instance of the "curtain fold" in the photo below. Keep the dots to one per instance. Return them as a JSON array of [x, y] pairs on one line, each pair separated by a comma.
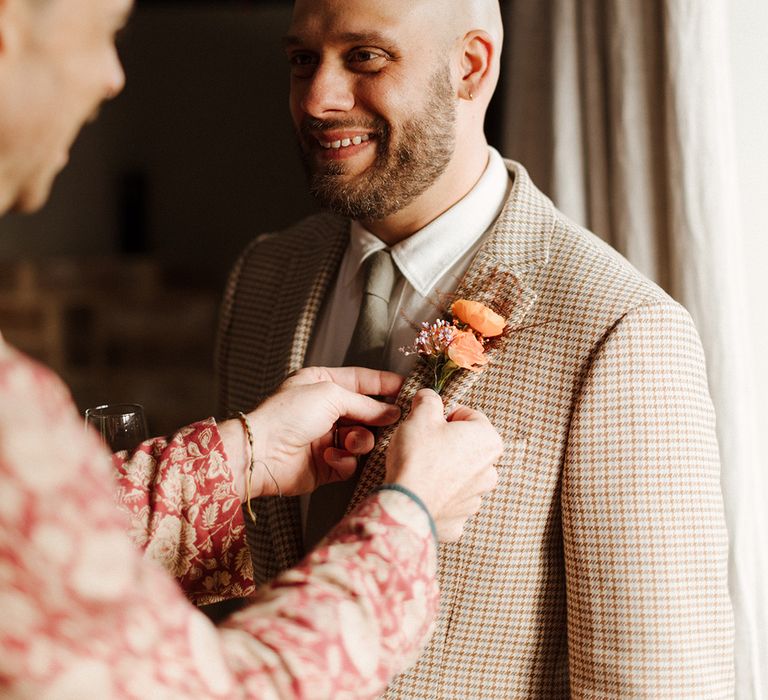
[[621, 111]]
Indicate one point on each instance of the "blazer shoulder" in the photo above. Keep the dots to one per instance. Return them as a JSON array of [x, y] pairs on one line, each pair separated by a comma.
[[312, 232], [532, 234], [598, 276]]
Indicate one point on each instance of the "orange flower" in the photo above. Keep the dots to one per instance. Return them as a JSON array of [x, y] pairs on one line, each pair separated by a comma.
[[486, 322], [467, 351]]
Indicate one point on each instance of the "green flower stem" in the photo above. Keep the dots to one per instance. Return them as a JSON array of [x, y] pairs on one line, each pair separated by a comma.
[[443, 370]]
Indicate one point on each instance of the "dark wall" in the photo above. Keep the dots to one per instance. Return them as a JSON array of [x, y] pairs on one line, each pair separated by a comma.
[[193, 159]]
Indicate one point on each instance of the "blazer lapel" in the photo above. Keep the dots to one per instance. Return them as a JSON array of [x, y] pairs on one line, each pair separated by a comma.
[[282, 516], [500, 276], [329, 252]]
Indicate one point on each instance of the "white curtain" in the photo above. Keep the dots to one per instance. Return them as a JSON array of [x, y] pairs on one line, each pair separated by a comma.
[[621, 111]]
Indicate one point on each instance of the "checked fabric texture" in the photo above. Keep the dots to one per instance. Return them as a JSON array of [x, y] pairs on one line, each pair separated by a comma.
[[597, 568]]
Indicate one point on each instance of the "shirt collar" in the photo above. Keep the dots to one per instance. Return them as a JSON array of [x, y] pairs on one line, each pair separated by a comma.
[[425, 256]]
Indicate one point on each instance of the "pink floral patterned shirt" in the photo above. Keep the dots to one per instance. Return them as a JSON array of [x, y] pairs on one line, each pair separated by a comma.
[[84, 615]]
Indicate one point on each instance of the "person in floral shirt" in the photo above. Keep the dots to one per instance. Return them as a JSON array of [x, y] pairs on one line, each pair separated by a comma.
[[83, 612]]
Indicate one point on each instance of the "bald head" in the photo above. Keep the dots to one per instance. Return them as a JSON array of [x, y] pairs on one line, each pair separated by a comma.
[[474, 14], [443, 19]]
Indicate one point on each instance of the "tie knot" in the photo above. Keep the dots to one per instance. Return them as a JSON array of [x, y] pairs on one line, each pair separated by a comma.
[[379, 275]]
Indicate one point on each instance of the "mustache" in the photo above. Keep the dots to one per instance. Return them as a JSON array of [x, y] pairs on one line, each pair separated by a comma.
[[310, 124]]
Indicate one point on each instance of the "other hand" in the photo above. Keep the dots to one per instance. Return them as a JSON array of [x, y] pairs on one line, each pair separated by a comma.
[[447, 462]]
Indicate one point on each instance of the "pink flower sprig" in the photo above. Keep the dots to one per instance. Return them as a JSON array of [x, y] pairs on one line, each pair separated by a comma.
[[448, 346]]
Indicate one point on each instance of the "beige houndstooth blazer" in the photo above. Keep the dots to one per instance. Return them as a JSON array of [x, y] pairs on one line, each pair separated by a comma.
[[597, 568]]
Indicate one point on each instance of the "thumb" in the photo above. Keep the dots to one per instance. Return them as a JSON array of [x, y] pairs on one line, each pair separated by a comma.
[[427, 405], [465, 413], [360, 408]]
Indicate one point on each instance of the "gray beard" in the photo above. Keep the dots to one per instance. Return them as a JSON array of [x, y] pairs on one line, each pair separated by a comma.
[[401, 172]]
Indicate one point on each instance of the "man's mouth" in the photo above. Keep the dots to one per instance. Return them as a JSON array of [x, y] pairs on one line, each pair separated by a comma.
[[346, 142]]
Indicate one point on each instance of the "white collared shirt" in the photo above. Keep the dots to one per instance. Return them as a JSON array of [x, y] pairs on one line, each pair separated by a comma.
[[432, 262]]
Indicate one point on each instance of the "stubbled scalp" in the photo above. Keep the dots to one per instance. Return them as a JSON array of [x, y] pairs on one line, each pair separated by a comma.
[[452, 19], [462, 16], [457, 18], [483, 14]]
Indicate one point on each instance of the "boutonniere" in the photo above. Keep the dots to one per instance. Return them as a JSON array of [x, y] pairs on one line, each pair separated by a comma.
[[447, 346]]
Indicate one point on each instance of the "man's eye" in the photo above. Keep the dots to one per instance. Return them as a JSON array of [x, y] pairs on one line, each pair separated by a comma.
[[302, 64], [363, 55], [367, 59], [301, 59]]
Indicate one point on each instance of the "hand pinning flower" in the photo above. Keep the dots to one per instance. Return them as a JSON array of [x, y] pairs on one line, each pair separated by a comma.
[[448, 346]]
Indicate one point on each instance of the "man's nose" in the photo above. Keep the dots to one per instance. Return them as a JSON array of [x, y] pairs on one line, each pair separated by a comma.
[[329, 89]]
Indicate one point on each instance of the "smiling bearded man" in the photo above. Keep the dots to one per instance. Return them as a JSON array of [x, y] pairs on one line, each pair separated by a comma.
[[598, 566]]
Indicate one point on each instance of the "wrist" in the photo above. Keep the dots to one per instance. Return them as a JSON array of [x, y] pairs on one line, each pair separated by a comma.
[[257, 439], [262, 478], [235, 442], [416, 499], [402, 471]]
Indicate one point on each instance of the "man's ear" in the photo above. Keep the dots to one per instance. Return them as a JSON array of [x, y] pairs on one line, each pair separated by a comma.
[[476, 63]]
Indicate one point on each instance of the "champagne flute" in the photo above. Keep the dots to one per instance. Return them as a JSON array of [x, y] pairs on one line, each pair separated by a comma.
[[122, 426]]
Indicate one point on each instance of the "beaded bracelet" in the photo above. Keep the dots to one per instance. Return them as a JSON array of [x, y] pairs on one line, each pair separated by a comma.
[[251, 464]]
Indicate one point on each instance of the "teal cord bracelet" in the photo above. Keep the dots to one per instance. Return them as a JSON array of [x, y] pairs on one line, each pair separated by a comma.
[[415, 499]]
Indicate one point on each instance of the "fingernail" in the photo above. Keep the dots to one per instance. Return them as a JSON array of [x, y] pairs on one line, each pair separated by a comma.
[[353, 442], [393, 412]]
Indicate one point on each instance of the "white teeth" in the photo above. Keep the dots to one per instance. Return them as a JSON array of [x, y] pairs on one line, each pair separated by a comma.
[[345, 143]]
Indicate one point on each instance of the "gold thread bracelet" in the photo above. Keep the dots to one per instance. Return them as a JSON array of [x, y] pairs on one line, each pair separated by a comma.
[[251, 464]]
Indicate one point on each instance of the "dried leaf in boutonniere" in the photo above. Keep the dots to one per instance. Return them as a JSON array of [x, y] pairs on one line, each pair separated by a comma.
[[448, 346]]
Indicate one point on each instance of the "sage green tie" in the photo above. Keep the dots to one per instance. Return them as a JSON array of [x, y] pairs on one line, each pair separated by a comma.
[[366, 349]]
